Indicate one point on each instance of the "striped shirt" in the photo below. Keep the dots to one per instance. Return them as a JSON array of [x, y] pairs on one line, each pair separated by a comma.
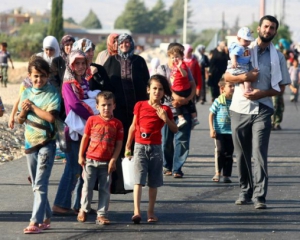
[[222, 119]]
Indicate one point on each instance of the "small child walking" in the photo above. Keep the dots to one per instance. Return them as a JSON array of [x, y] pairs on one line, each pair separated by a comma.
[[240, 56], [149, 118], [294, 71], [39, 106], [99, 149], [220, 129], [181, 85]]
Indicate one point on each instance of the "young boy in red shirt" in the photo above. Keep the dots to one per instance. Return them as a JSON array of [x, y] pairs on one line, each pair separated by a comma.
[[99, 149]]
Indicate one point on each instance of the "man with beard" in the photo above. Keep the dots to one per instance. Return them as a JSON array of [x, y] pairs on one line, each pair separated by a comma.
[[251, 113]]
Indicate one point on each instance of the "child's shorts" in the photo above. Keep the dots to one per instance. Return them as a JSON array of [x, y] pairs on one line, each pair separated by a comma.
[[148, 160]]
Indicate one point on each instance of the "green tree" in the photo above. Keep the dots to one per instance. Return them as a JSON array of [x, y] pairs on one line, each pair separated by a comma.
[[135, 17], [56, 28], [91, 21], [70, 20], [175, 17], [158, 17]]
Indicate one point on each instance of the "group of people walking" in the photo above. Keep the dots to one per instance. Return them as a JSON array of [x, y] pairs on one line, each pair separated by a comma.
[[157, 113]]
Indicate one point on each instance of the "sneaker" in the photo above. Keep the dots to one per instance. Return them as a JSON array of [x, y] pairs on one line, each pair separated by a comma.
[[181, 122], [277, 127], [260, 205], [227, 180], [243, 200]]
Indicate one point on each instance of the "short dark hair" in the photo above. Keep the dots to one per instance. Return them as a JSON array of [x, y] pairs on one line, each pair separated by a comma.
[[269, 18], [4, 44], [39, 64], [175, 44], [164, 82], [106, 95]]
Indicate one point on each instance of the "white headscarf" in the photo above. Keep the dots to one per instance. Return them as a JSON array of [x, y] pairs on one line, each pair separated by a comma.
[[50, 42]]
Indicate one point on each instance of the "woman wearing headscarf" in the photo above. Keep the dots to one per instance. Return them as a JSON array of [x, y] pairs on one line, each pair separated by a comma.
[[128, 75], [192, 63], [50, 49], [58, 65], [74, 90], [112, 49]]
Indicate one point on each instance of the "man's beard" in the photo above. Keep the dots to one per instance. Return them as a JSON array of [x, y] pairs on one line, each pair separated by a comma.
[[265, 39]]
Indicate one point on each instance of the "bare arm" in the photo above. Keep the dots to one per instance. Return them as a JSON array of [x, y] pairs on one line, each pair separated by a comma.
[[233, 61], [47, 116], [83, 146], [211, 125], [11, 121], [181, 70], [113, 160], [131, 133], [250, 76], [178, 101]]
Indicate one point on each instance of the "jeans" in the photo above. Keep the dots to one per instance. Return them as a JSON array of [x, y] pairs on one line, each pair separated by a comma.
[[69, 178], [176, 146], [93, 171], [40, 164]]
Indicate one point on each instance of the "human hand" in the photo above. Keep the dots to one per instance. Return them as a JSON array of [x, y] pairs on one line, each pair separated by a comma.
[[255, 94], [252, 75], [179, 62], [161, 113], [112, 166], [212, 133], [198, 92], [11, 122], [93, 70], [81, 161]]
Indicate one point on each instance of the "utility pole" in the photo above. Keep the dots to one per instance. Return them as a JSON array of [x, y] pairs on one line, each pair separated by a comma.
[[184, 32], [262, 8]]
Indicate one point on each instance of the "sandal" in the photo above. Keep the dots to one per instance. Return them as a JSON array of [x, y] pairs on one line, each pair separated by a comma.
[[32, 230], [81, 217], [167, 173], [103, 220], [136, 219], [216, 178], [177, 175], [44, 226], [152, 219]]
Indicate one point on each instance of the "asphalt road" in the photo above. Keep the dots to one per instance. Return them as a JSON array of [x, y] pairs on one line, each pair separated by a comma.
[[193, 207]]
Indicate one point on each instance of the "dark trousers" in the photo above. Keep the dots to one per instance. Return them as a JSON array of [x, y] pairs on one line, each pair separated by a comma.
[[224, 152], [251, 134]]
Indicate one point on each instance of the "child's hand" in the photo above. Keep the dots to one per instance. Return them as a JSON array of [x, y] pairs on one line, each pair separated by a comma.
[[213, 133], [112, 166], [161, 113], [26, 105], [179, 62], [81, 161], [11, 122]]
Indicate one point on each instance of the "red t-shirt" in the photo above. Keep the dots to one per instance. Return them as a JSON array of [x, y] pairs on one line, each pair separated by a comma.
[[103, 137], [148, 122], [178, 82]]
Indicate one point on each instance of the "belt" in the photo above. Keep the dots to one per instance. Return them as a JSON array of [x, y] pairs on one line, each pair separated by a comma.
[[145, 135]]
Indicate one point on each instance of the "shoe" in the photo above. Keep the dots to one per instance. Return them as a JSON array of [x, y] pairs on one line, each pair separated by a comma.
[[103, 220], [81, 217], [152, 219], [136, 219], [167, 173], [32, 230], [259, 205], [227, 180], [177, 175], [44, 226], [181, 122], [195, 122], [243, 201], [277, 127]]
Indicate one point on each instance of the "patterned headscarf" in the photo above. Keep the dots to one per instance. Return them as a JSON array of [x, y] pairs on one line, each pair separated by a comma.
[[121, 39], [110, 44], [64, 40], [69, 73]]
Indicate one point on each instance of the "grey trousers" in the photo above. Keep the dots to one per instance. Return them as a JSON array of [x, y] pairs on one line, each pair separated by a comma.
[[92, 171], [251, 134]]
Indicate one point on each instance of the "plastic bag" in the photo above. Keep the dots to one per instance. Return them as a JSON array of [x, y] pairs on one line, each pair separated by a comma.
[[61, 135]]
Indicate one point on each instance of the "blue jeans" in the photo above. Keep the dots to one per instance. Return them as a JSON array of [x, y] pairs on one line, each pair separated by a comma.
[[176, 146], [69, 178], [40, 164]]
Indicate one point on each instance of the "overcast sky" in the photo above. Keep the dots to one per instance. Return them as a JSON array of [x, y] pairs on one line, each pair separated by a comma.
[[205, 13]]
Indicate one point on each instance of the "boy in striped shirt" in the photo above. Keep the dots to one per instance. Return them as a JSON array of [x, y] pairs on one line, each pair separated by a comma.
[[220, 130]]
